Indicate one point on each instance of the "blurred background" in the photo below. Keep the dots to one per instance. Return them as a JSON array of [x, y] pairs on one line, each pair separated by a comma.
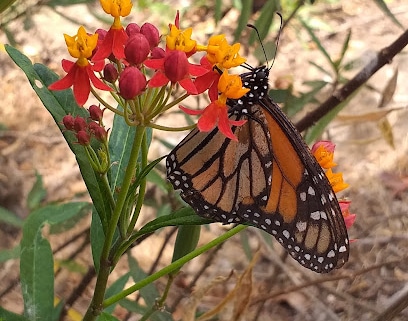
[[322, 45]]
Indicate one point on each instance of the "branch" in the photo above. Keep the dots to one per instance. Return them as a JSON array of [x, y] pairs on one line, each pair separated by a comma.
[[385, 56]]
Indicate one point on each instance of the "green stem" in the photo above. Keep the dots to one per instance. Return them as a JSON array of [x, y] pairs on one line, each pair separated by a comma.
[[96, 305], [170, 129], [142, 188], [173, 266], [159, 303]]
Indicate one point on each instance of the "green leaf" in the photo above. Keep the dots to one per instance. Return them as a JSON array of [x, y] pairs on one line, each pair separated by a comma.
[[54, 3], [72, 220], [10, 218], [317, 130], [265, 21], [343, 50], [218, 10], [37, 193], [36, 261], [10, 316], [157, 180], [106, 317], [186, 241], [59, 104], [120, 146], [318, 43], [245, 245], [149, 293], [184, 216], [243, 18], [115, 288], [386, 10], [10, 254], [97, 239]]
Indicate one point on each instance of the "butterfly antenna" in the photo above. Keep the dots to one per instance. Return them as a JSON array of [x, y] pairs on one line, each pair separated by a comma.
[[277, 40]]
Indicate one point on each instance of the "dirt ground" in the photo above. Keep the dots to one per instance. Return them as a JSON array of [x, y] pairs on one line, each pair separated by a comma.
[[377, 272]]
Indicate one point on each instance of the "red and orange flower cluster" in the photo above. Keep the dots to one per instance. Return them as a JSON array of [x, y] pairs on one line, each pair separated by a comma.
[[133, 50], [323, 151]]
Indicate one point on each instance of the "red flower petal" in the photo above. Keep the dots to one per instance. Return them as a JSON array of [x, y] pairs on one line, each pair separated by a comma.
[[189, 111], [196, 70], [205, 81], [67, 65], [209, 118], [96, 81], [224, 124], [65, 82], [81, 86], [154, 63], [188, 85], [119, 40], [159, 79]]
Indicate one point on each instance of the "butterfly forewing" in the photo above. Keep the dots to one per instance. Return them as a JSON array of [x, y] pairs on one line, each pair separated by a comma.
[[217, 175], [268, 178]]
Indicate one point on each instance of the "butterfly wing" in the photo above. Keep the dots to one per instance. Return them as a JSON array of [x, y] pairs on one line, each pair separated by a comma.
[[217, 175], [268, 179]]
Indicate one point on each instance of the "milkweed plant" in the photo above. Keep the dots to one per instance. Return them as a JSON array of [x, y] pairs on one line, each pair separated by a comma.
[[146, 74]]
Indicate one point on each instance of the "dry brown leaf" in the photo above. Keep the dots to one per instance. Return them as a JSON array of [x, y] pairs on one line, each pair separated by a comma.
[[189, 311], [386, 131], [389, 90]]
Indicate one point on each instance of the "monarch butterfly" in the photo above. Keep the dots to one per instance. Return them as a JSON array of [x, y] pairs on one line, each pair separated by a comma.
[[268, 179]]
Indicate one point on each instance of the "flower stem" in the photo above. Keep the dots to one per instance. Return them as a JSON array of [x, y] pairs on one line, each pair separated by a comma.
[[173, 266], [96, 305]]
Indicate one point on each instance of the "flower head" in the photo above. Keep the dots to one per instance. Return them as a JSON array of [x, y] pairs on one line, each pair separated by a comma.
[[81, 45], [323, 151], [115, 40], [117, 8], [220, 53], [80, 74], [179, 39], [348, 218], [216, 114], [174, 68]]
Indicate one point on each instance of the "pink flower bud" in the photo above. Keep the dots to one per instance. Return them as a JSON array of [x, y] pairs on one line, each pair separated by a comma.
[[79, 124], [132, 82], [95, 112], [151, 33], [68, 122], [100, 133], [110, 73], [327, 145], [132, 28], [158, 53], [176, 65], [83, 138], [137, 49]]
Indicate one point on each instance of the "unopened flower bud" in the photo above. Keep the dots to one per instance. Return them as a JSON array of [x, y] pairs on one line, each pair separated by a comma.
[[95, 112], [68, 122], [110, 73], [83, 138], [158, 53], [79, 124], [176, 65], [100, 133], [151, 33], [137, 49], [131, 82], [132, 28]]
